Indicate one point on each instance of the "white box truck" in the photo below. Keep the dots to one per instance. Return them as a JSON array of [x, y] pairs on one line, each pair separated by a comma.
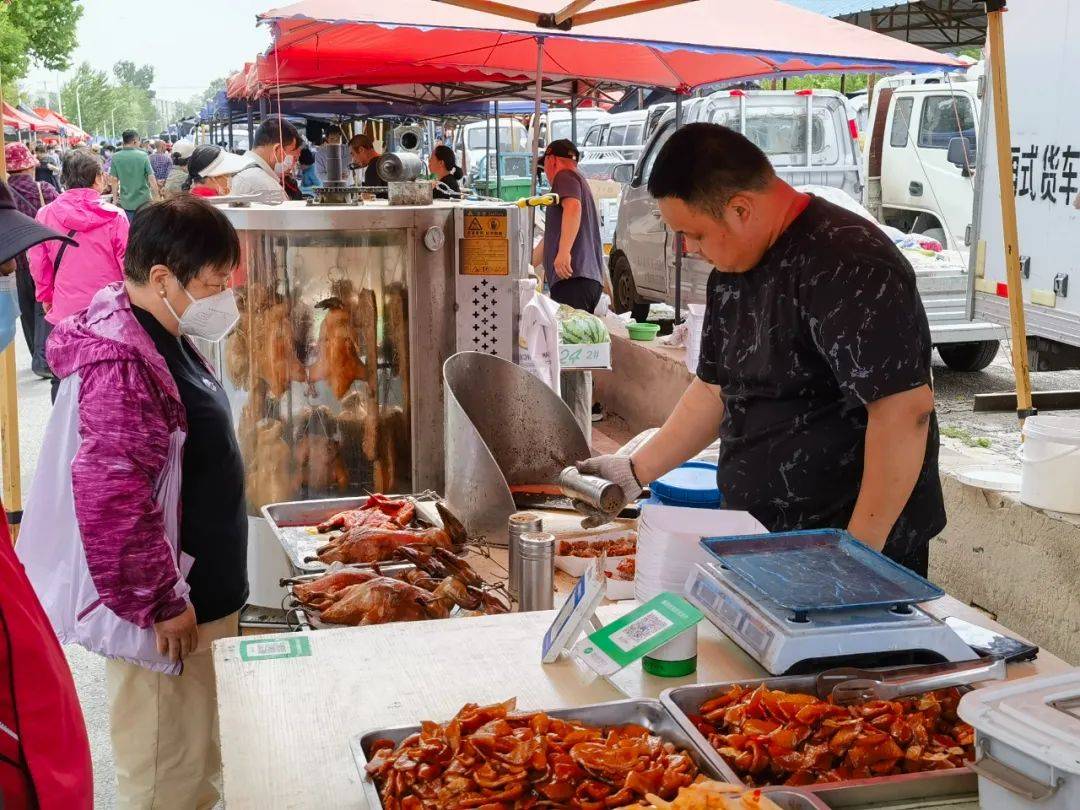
[[1042, 46]]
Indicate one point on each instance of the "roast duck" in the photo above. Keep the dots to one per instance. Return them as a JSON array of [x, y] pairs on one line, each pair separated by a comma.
[[375, 532], [440, 582]]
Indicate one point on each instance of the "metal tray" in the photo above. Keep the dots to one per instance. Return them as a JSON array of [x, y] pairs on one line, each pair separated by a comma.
[[822, 569], [640, 711], [682, 701], [293, 522]]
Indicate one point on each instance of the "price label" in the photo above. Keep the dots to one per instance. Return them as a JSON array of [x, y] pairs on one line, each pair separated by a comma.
[[575, 611], [268, 649]]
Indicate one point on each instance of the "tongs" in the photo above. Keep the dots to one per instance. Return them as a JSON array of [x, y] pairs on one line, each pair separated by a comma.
[[847, 685]]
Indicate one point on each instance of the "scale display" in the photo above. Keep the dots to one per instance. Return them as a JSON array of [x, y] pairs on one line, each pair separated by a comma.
[[818, 571]]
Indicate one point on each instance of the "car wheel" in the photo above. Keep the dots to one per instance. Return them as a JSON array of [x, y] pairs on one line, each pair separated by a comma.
[[969, 356], [623, 288]]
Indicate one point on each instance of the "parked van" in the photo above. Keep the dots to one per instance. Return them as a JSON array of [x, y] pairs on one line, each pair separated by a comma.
[[473, 140], [811, 139], [557, 124], [911, 184], [615, 140]]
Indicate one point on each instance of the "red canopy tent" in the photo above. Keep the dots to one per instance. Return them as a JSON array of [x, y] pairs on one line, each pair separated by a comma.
[[681, 47], [17, 119]]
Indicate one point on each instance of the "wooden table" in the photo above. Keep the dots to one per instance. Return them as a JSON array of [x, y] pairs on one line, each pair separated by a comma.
[[286, 722]]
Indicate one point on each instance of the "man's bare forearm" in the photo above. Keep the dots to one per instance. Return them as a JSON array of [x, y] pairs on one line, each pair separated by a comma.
[[892, 459], [692, 426], [538, 254], [571, 223]]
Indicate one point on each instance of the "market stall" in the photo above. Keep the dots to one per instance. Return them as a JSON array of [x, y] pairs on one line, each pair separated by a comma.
[[290, 704], [347, 313]]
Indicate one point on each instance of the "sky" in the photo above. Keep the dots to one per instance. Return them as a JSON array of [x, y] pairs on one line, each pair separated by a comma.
[[190, 43]]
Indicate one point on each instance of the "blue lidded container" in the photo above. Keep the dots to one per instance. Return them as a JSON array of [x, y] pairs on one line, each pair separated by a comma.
[[692, 485]]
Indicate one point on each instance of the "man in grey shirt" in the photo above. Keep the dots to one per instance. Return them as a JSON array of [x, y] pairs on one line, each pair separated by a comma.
[[276, 144], [571, 250]]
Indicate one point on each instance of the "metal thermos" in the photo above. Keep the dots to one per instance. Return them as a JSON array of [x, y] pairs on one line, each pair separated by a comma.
[[596, 492], [537, 552], [520, 523]]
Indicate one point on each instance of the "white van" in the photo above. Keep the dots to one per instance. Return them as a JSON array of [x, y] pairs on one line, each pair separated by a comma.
[[557, 125], [911, 184], [617, 139], [472, 141]]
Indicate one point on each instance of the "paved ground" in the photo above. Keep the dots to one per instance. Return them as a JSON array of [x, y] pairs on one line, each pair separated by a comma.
[[954, 393]]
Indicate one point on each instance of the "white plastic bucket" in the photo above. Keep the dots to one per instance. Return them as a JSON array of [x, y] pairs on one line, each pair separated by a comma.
[[1050, 478]]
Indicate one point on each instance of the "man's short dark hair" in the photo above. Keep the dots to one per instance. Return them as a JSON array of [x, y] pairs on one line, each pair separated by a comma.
[[81, 168], [276, 130], [183, 233], [705, 165], [129, 136]]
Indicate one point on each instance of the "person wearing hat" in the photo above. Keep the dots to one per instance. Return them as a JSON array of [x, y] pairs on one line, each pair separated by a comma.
[[571, 251], [68, 277], [29, 195], [364, 156], [44, 750], [178, 175], [210, 169], [45, 171]]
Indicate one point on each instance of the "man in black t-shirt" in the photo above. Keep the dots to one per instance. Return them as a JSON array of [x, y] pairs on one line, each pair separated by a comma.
[[815, 357]]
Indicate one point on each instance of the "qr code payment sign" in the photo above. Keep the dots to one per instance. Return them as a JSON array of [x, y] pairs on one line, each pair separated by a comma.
[[640, 630]]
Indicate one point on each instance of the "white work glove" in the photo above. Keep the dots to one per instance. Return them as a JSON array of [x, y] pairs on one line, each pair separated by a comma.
[[619, 471]]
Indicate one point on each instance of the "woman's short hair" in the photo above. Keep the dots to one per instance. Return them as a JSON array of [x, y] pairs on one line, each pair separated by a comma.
[[81, 168], [183, 233]]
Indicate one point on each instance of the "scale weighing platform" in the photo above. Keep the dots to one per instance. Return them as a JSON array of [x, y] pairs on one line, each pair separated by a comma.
[[800, 602]]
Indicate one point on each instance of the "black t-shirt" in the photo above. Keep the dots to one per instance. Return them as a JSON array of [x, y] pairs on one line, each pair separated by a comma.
[[213, 519], [829, 320], [451, 182]]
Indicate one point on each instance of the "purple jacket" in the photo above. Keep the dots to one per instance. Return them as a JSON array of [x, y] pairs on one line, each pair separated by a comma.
[[101, 544]]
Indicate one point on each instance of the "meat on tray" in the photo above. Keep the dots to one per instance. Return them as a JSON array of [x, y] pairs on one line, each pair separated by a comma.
[[772, 737], [379, 512], [440, 582], [494, 757], [615, 547], [364, 544]]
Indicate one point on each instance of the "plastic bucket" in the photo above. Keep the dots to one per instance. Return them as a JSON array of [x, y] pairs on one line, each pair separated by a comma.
[[1050, 477]]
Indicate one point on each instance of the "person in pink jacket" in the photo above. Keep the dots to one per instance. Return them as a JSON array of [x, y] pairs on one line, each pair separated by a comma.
[[66, 282], [134, 534]]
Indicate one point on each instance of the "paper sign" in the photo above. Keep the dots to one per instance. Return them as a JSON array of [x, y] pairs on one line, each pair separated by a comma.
[[257, 649], [637, 633], [575, 611]]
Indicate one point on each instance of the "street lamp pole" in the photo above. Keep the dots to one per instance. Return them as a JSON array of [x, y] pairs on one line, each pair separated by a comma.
[[78, 106], [112, 115]]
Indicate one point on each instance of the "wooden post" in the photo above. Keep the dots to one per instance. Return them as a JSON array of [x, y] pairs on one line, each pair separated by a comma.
[[995, 37], [9, 412]]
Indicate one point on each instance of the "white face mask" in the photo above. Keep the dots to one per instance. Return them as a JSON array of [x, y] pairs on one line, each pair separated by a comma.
[[285, 166], [210, 318]]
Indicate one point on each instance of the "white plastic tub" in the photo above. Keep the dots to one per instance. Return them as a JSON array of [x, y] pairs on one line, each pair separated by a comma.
[[1050, 478], [1027, 742]]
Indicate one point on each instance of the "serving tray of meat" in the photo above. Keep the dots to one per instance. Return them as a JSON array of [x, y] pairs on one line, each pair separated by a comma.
[[356, 531], [417, 587], [776, 731], [604, 755]]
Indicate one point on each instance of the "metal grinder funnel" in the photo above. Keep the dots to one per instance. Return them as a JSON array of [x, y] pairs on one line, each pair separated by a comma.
[[503, 428]]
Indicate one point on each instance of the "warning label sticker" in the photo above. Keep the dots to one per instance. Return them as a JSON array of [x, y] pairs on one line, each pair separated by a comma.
[[485, 249]]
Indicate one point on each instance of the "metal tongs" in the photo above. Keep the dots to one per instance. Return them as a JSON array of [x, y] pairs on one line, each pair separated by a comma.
[[847, 685]]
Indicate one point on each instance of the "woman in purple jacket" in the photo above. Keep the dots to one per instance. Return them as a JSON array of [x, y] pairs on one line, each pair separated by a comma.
[[135, 533]]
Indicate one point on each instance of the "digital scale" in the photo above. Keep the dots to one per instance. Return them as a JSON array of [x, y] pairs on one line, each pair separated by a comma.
[[800, 602]]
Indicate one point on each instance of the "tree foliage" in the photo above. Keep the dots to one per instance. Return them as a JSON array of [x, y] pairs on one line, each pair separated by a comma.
[[41, 31], [107, 107]]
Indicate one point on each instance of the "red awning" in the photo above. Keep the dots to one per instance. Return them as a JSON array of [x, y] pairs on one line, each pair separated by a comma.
[[21, 119], [680, 47]]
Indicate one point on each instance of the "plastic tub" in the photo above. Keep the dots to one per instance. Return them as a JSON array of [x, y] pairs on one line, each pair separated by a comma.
[[1051, 459], [642, 331], [692, 485], [1027, 742]]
